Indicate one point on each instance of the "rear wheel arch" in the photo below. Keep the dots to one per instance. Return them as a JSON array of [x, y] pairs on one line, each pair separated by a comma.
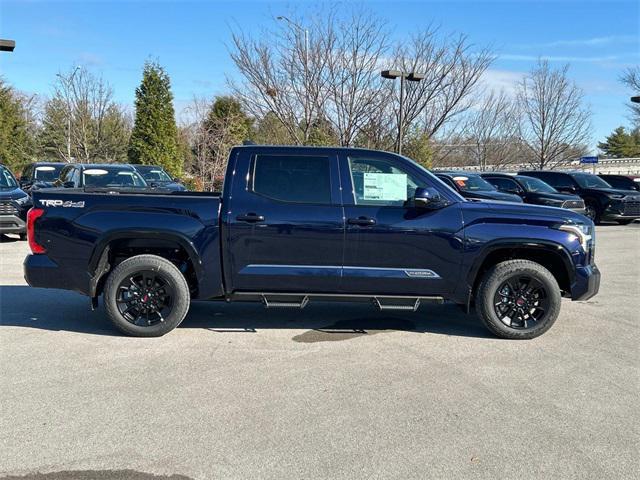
[[112, 249]]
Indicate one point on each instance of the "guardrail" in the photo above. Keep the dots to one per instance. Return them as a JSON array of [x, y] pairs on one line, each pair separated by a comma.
[[622, 166]]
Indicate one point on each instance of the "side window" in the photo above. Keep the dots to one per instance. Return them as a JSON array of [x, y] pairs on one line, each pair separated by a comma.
[[64, 174], [74, 176], [504, 184], [380, 182], [559, 180], [293, 178]]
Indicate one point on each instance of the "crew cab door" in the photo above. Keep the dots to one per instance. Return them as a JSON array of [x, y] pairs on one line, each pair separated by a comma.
[[285, 225], [392, 247]]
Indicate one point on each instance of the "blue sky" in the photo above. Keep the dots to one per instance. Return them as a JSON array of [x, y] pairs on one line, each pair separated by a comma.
[[114, 38]]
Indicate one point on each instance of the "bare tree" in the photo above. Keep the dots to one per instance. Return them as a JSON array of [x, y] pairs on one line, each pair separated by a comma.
[[631, 78], [83, 114], [492, 131], [452, 71], [555, 124]]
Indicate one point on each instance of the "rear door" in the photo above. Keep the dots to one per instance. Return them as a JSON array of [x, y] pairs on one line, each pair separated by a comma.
[[285, 222], [392, 247]]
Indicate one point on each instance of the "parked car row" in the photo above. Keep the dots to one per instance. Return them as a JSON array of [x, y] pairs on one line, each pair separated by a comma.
[[591, 195], [15, 195]]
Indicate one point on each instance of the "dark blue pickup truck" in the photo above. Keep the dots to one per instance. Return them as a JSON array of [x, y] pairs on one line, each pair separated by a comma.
[[295, 225]]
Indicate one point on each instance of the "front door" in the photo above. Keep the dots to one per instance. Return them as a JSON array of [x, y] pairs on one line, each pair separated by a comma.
[[392, 247], [286, 225]]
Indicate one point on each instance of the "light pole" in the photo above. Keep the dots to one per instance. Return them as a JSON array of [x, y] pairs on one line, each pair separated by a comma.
[[412, 77], [69, 109], [7, 45], [305, 32]]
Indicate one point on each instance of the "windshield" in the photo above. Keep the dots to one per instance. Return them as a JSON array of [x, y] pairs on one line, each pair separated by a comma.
[[102, 177], [472, 183], [47, 173], [154, 174], [535, 185], [6, 179], [586, 180]]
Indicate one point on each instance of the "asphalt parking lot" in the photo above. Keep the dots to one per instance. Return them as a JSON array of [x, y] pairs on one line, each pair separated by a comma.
[[336, 391]]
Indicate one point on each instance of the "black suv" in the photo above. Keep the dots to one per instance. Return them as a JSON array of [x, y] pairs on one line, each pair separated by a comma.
[[472, 185], [14, 204], [40, 175], [602, 201], [622, 182], [535, 191], [99, 176]]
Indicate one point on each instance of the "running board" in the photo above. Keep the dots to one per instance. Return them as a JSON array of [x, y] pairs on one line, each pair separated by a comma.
[[407, 303]]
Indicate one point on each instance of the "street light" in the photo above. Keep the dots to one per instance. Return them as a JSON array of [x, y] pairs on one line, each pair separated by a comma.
[[412, 77], [69, 110], [7, 45], [635, 99]]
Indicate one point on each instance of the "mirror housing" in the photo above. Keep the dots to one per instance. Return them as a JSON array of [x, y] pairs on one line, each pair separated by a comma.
[[566, 189], [428, 198]]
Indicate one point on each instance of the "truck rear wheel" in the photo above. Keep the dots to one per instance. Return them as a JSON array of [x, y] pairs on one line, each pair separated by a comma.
[[146, 296], [518, 299]]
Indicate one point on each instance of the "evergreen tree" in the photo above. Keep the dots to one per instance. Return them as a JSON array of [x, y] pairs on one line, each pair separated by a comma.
[[154, 139], [621, 144], [17, 144]]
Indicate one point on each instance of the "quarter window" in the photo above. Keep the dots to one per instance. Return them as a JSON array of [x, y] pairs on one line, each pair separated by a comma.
[[293, 178]]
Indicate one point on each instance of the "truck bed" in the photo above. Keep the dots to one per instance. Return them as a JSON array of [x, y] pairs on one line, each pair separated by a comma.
[[77, 225]]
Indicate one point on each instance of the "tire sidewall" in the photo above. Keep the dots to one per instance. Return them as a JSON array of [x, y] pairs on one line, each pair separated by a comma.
[[180, 300], [495, 277]]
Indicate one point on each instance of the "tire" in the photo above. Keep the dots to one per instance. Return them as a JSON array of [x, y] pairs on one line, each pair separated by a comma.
[[23, 236], [138, 285], [495, 286], [625, 222], [593, 213]]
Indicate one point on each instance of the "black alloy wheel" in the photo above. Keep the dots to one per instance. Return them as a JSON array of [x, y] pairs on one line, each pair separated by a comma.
[[145, 298], [521, 302]]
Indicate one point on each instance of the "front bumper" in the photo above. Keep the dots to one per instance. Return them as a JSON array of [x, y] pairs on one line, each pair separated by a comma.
[[12, 224], [586, 283]]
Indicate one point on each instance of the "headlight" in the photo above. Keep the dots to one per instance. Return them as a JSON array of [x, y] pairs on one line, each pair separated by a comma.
[[23, 200], [552, 203], [582, 232]]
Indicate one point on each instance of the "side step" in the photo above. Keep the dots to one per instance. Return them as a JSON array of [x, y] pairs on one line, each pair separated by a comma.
[[285, 301], [390, 303], [407, 303]]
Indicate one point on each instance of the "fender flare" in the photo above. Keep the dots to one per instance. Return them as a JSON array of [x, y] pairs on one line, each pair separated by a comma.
[[98, 264], [537, 244]]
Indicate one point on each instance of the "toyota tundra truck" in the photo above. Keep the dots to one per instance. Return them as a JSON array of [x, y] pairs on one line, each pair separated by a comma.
[[298, 225]]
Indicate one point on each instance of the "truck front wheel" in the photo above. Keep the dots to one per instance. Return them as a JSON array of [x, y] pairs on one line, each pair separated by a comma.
[[518, 299], [146, 296]]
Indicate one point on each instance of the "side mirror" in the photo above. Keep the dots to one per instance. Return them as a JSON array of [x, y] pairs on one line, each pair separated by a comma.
[[428, 198], [68, 185], [566, 189]]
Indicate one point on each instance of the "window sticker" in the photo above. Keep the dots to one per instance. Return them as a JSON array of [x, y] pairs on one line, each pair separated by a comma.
[[385, 186]]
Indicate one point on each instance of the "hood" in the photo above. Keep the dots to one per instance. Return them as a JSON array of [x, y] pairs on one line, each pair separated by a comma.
[[173, 186], [534, 214], [12, 193], [613, 191], [554, 196], [492, 195]]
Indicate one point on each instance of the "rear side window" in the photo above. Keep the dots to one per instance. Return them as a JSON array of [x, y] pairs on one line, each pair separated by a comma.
[[558, 180], [502, 183], [293, 178]]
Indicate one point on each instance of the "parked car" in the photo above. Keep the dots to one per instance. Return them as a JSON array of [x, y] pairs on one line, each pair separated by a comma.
[[86, 175], [40, 175], [472, 185], [622, 182], [156, 177], [602, 201], [295, 225], [534, 191], [14, 204]]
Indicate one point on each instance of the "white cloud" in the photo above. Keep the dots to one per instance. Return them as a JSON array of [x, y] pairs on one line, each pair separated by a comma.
[[505, 80], [586, 42]]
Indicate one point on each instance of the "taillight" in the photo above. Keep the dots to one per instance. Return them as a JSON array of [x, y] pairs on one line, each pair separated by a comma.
[[32, 216]]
